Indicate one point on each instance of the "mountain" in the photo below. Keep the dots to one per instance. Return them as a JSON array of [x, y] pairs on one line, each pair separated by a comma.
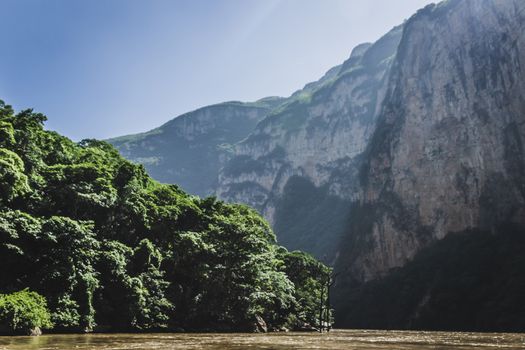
[[406, 155], [299, 167], [447, 152], [187, 150], [447, 156]]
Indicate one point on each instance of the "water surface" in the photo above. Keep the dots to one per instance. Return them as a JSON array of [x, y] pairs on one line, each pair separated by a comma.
[[339, 339]]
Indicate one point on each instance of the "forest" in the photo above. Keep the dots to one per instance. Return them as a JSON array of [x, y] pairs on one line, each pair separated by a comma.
[[89, 242]]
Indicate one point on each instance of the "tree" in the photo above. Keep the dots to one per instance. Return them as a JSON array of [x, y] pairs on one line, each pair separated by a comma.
[[68, 255], [310, 277], [13, 181]]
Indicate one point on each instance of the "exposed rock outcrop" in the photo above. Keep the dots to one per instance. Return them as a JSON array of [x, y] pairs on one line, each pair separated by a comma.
[[188, 149], [317, 136], [447, 154]]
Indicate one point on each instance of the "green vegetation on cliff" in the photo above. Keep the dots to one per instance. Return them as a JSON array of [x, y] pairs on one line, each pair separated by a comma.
[[470, 281], [111, 249]]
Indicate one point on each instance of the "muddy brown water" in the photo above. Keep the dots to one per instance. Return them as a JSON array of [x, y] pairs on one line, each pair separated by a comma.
[[338, 339]]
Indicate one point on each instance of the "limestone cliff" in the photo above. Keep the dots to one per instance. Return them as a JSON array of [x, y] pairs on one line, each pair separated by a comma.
[[447, 155], [310, 147]]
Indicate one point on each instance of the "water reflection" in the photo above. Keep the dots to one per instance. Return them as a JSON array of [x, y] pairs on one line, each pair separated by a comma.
[[342, 339]]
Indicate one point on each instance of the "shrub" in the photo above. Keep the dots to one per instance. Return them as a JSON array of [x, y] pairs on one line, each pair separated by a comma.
[[23, 311]]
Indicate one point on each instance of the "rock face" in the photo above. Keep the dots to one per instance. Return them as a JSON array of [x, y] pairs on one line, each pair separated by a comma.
[[187, 150], [446, 157], [308, 151], [447, 154]]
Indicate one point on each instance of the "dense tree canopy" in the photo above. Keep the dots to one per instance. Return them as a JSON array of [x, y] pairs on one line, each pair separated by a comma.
[[111, 249]]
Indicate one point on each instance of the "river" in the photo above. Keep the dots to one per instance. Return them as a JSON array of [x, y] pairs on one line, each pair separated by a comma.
[[339, 339]]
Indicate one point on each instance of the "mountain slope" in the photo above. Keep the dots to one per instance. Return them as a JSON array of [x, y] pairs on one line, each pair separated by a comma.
[[316, 138], [187, 150]]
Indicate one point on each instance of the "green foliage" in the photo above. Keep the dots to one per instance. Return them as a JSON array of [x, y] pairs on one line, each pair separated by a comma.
[[310, 277], [111, 249], [151, 308], [13, 181], [7, 134], [67, 270], [22, 311], [470, 281]]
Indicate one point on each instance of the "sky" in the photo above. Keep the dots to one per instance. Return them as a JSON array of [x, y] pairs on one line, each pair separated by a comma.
[[106, 68]]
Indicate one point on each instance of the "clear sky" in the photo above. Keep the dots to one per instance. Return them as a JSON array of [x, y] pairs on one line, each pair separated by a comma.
[[104, 68]]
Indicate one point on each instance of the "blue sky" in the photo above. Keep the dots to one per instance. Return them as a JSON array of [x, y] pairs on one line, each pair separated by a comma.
[[105, 68]]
